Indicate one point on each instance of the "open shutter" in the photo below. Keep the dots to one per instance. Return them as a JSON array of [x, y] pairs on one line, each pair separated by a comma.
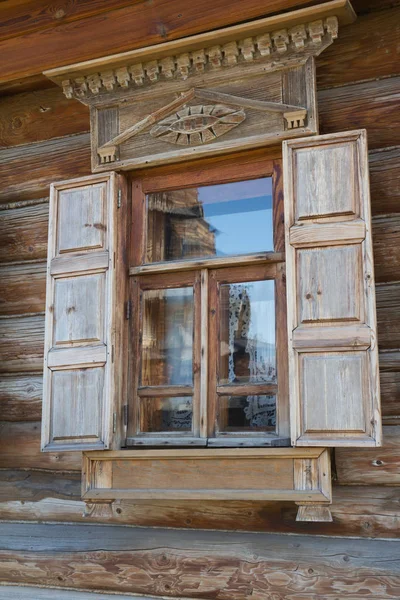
[[82, 310], [333, 355]]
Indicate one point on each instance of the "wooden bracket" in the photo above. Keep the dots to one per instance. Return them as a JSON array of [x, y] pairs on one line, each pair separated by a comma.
[[99, 509], [309, 511]]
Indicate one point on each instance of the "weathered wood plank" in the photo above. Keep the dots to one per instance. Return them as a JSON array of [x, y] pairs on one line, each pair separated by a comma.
[[389, 362], [16, 592], [50, 496], [216, 565], [365, 6], [22, 288], [20, 18], [107, 33], [366, 49], [23, 233], [386, 242], [40, 115], [27, 171], [388, 311], [371, 466], [372, 105], [384, 168], [21, 397], [21, 344], [20, 449], [390, 397]]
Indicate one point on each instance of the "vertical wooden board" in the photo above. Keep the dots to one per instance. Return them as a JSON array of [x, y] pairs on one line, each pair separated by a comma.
[[81, 308], [331, 392], [334, 395], [325, 181], [329, 283], [77, 397], [81, 219]]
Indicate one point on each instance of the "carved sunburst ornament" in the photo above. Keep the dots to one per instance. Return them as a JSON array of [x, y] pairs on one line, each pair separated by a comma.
[[195, 125]]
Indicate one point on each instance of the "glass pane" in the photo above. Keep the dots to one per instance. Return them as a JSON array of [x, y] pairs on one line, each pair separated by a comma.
[[165, 414], [247, 413], [214, 220], [167, 344], [247, 332]]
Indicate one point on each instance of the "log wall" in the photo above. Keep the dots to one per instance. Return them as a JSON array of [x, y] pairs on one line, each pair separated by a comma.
[[358, 83]]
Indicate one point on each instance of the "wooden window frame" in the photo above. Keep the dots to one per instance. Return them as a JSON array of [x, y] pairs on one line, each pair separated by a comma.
[[204, 274]]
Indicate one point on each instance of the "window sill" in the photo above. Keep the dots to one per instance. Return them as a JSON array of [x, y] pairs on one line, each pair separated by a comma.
[[301, 475]]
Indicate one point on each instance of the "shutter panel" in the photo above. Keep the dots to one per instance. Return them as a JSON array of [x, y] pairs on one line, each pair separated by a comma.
[[81, 311], [333, 354]]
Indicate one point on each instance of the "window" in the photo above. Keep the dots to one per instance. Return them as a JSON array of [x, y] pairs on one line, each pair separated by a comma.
[[208, 353]]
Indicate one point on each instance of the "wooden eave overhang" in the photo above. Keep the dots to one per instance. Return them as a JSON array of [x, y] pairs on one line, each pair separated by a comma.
[[300, 33]]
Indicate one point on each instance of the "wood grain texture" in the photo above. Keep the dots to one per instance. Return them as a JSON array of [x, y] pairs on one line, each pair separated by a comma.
[[20, 449], [366, 49], [215, 565], [18, 298], [390, 396], [386, 241], [23, 233], [371, 105], [384, 169], [371, 466], [107, 33], [26, 171], [21, 17], [21, 344], [21, 397], [55, 496], [40, 115], [388, 311], [16, 592]]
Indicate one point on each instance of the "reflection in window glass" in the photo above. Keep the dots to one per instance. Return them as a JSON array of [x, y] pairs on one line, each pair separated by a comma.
[[215, 220], [247, 332], [165, 414], [247, 413], [167, 344]]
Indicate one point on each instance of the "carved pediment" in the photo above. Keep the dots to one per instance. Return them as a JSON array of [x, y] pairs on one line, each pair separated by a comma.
[[206, 92]]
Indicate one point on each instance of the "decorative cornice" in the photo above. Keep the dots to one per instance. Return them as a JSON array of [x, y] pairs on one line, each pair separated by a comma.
[[299, 34]]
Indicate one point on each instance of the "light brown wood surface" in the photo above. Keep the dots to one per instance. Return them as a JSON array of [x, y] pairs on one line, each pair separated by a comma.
[[331, 294], [165, 562]]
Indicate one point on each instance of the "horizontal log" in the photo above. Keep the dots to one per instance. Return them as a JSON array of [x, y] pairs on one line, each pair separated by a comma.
[[366, 6], [20, 449], [388, 314], [384, 167], [17, 592], [373, 465], [366, 49], [23, 233], [390, 396], [389, 362], [51, 496], [386, 244], [22, 288], [21, 397], [20, 18], [107, 33], [27, 171], [199, 563], [21, 344], [372, 105], [40, 115]]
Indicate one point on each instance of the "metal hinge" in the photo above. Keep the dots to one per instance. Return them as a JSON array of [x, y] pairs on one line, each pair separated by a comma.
[[119, 199], [114, 422], [125, 414], [128, 310]]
